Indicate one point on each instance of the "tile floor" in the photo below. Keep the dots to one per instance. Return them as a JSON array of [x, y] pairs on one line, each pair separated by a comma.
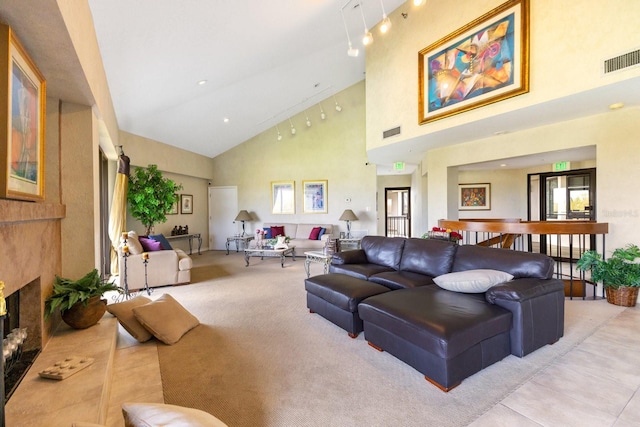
[[595, 384]]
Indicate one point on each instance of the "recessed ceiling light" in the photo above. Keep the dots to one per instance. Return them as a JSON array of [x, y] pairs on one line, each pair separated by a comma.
[[500, 132], [202, 82], [503, 165], [226, 120], [616, 106]]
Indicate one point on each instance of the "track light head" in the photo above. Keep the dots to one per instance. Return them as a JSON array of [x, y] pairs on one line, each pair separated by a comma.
[[367, 39], [418, 2], [293, 130], [338, 107], [385, 24], [279, 134], [322, 114], [352, 52]]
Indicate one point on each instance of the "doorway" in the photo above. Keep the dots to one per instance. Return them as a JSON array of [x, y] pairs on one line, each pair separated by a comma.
[[562, 196], [223, 208], [397, 211]]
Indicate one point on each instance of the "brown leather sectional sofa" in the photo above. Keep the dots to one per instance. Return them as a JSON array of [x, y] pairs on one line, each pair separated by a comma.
[[387, 289]]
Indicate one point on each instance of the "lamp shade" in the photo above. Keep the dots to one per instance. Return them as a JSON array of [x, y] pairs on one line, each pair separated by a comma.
[[348, 215], [243, 216]]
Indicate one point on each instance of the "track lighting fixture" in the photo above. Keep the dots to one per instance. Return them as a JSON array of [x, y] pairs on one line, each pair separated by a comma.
[[338, 107], [386, 22], [308, 122], [293, 130], [367, 39], [279, 134], [351, 51], [322, 114]]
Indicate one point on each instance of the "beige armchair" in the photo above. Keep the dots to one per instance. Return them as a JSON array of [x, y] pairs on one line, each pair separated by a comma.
[[164, 267]]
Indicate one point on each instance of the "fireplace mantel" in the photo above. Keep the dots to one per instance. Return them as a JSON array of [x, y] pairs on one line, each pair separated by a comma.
[[12, 211]]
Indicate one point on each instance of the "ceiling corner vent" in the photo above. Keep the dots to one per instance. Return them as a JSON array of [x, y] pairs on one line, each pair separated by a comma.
[[620, 62], [391, 132]]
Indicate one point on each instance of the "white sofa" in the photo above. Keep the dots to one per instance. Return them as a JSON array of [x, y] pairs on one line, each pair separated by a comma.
[[165, 267], [299, 235]]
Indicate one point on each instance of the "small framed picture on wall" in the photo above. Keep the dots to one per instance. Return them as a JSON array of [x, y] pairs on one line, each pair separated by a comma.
[[186, 204], [474, 197]]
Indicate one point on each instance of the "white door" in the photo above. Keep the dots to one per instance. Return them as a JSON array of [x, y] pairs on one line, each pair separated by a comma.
[[223, 208]]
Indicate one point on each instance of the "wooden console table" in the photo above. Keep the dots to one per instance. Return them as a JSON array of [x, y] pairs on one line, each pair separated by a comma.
[[190, 237]]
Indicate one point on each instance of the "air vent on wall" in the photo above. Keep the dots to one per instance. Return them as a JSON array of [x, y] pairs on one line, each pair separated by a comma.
[[622, 61], [391, 132]]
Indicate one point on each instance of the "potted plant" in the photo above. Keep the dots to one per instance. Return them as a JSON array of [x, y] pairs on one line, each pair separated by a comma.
[[151, 196], [620, 274], [79, 301]]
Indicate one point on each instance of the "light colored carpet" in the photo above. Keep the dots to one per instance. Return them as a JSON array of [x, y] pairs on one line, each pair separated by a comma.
[[259, 358]]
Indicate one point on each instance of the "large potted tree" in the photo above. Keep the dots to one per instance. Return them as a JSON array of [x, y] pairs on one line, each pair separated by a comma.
[[151, 196], [619, 274]]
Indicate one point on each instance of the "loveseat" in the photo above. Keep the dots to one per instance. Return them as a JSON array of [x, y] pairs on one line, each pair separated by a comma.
[[299, 235], [446, 310], [166, 266]]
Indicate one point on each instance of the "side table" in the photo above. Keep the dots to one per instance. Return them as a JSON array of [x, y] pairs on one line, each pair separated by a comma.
[[189, 237], [244, 240], [318, 258], [349, 243]]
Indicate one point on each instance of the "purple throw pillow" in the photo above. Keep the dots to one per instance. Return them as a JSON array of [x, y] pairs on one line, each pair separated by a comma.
[[314, 233], [150, 245]]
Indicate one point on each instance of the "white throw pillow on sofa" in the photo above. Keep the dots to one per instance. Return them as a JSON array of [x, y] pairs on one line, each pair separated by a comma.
[[472, 281]]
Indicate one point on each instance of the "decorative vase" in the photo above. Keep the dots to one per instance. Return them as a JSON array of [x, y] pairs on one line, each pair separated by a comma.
[[625, 296], [80, 316]]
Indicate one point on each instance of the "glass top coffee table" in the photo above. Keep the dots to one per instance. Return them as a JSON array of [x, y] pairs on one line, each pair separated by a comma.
[[282, 253]]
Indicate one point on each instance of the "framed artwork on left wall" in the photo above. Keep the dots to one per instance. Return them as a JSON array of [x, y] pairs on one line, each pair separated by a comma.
[[22, 118]]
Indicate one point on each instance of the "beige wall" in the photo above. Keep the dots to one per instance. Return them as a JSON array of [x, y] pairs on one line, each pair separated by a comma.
[[565, 58], [556, 48], [333, 149]]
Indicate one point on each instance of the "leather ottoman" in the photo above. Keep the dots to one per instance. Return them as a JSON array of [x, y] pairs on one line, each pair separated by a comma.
[[336, 297], [447, 336]]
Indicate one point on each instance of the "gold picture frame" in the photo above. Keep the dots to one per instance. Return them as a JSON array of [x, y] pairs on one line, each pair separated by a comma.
[[283, 197], [23, 90], [483, 62], [474, 197], [315, 196]]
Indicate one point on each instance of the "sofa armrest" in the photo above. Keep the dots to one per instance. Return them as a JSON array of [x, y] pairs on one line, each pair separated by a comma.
[[357, 256], [523, 289], [537, 306]]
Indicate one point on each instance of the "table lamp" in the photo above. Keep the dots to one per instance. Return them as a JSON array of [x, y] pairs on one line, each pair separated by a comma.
[[348, 216], [243, 216]]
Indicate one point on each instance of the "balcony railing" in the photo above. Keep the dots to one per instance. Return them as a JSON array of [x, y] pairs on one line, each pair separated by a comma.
[[564, 241]]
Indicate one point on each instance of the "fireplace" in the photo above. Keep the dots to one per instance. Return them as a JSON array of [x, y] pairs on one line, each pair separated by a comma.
[[30, 258], [22, 314]]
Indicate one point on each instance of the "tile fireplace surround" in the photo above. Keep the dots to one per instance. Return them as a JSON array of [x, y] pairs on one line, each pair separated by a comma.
[[30, 257]]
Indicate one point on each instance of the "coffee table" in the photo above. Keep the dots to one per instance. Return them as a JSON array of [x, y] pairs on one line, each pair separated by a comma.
[[291, 250]]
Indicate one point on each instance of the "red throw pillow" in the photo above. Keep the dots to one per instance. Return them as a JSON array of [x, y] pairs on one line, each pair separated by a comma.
[[150, 245], [314, 233], [277, 230]]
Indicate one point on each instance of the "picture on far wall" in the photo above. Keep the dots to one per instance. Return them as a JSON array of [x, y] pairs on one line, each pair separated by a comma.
[[174, 207], [315, 196], [22, 90], [186, 204], [283, 200], [485, 61], [474, 197]]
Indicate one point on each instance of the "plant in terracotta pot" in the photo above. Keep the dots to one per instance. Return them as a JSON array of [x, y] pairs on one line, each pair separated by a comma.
[[79, 301], [619, 274]]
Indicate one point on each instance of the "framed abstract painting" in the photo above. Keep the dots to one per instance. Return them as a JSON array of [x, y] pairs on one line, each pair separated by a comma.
[[483, 62], [23, 91], [474, 197]]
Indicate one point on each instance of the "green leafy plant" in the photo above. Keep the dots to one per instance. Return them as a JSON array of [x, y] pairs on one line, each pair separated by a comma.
[[67, 292], [621, 269], [151, 196]]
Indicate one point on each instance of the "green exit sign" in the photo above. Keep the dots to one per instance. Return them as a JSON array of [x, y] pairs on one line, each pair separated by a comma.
[[399, 166], [561, 166]]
